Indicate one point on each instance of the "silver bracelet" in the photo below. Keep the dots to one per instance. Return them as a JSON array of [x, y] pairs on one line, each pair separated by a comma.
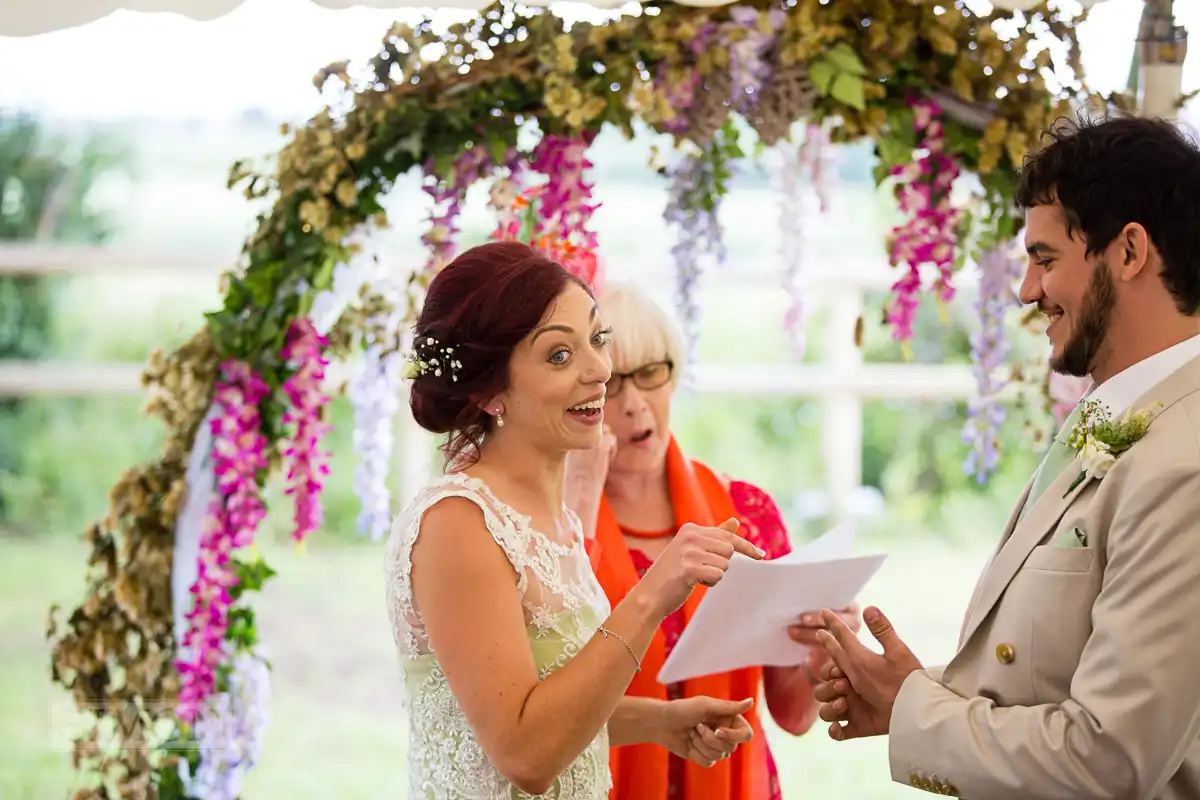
[[637, 662]]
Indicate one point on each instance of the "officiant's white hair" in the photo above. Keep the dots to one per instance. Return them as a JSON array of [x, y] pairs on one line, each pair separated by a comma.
[[643, 331]]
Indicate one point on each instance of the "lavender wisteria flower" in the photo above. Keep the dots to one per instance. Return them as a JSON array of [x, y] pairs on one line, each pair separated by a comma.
[[791, 250], [812, 156], [230, 732], [374, 393], [694, 194], [999, 269], [448, 193], [679, 84], [750, 35]]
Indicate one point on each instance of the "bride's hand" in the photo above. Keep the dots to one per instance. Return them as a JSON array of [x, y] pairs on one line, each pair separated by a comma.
[[695, 555], [704, 729]]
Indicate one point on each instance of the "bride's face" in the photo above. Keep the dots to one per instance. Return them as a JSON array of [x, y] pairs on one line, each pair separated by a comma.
[[557, 375]]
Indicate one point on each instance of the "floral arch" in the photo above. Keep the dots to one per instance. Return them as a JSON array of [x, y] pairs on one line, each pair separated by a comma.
[[161, 653]]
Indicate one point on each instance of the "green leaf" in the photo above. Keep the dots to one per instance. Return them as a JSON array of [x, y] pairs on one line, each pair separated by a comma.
[[821, 73], [844, 60], [413, 144], [892, 152], [848, 89], [900, 126], [442, 164], [882, 171], [267, 333], [324, 277], [498, 149]]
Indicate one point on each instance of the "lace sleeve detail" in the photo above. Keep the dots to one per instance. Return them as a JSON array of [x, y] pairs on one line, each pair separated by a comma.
[[759, 513], [408, 628]]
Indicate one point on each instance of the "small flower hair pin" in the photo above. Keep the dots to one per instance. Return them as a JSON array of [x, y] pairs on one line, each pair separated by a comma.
[[1100, 439], [428, 357]]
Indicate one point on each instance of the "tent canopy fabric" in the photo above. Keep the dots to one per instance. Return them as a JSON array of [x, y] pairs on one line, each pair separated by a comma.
[[33, 17]]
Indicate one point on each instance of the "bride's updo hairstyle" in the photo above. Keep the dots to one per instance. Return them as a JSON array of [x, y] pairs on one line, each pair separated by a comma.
[[480, 307]]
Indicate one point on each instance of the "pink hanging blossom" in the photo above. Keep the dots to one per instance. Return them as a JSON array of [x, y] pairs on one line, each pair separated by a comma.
[[565, 204], [238, 458], [308, 464], [554, 217], [929, 234]]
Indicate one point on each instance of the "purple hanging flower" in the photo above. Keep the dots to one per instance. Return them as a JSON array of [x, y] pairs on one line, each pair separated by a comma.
[[999, 269], [679, 85], [448, 193], [696, 186], [750, 44]]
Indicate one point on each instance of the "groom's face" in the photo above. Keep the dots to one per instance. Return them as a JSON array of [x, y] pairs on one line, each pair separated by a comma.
[[1076, 293]]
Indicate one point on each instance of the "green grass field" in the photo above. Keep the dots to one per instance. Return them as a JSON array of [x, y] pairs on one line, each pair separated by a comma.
[[338, 727]]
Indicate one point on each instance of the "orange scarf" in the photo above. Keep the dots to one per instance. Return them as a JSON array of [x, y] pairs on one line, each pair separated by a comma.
[[640, 772]]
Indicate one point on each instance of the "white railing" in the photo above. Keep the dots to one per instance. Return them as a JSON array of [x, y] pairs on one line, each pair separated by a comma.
[[841, 382]]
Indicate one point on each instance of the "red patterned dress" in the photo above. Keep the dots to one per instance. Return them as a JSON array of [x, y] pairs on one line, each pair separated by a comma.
[[763, 526]]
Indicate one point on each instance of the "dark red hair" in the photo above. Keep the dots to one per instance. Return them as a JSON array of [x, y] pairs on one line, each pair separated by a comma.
[[483, 304]]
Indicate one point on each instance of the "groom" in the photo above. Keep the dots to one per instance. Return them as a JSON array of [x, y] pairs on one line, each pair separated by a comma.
[[1078, 666]]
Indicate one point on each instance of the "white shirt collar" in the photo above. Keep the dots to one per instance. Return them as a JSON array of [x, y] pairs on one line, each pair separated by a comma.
[[1122, 390]]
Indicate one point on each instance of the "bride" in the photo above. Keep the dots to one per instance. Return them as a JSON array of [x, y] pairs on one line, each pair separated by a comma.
[[515, 667]]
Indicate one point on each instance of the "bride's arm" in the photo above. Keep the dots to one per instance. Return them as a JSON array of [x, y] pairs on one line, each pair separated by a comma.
[[635, 721], [465, 590]]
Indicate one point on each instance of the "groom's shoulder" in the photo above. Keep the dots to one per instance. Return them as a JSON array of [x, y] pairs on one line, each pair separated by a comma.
[[1173, 437], [1166, 458]]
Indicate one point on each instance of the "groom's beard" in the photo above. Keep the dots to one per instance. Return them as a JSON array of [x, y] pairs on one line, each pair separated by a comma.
[[1087, 335]]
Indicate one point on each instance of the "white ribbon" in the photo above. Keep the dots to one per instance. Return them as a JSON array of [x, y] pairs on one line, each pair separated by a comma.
[[189, 527]]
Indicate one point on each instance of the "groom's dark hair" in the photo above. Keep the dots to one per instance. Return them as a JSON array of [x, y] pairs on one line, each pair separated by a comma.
[[1112, 171]]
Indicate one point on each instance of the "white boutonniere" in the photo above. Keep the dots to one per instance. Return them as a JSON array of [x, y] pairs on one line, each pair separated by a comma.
[[1100, 439]]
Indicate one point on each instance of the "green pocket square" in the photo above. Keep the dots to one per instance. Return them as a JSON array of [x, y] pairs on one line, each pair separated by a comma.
[[1075, 537]]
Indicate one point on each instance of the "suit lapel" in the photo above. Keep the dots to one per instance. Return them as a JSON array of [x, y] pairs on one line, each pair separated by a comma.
[[1024, 535]]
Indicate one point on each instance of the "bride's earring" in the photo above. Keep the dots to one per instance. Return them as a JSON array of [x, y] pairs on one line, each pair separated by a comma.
[[499, 419]]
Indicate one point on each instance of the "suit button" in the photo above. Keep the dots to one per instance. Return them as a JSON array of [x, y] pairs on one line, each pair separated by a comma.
[[1005, 653]]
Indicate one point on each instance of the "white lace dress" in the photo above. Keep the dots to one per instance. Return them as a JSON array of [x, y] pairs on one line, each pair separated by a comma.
[[564, 604]]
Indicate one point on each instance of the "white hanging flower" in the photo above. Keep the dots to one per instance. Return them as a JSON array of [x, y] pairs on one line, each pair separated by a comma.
[[230, 732]]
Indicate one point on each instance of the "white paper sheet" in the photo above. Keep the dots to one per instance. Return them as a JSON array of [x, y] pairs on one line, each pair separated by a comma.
[[743, 620]]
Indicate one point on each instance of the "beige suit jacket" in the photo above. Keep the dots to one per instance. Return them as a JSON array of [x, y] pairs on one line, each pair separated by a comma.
[[1078, 667]]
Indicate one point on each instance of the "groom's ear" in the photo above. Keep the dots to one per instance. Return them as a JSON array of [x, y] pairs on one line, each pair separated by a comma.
[[1130, 252]]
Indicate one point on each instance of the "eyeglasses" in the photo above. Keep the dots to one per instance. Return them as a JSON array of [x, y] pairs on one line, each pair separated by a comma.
[[647, 378]]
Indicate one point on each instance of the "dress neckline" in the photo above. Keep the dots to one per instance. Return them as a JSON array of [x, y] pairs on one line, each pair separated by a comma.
[[524, 520]]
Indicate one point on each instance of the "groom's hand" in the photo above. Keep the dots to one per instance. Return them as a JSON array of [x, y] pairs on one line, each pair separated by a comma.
[[860, 686]]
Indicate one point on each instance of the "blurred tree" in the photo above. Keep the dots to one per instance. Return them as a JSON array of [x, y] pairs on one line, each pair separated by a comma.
[[45, 180]]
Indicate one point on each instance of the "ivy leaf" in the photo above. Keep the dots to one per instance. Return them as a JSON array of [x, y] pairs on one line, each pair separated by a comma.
[[893, 153], [413, 144], [242, 630], [324, 277], [251, 576], [821, 73], [261, 285], [881, 171], [498, 148], [848, 89], [900, 125], [845, 61]]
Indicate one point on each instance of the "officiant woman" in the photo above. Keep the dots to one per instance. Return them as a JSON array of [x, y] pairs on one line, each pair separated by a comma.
[[632, 494]]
